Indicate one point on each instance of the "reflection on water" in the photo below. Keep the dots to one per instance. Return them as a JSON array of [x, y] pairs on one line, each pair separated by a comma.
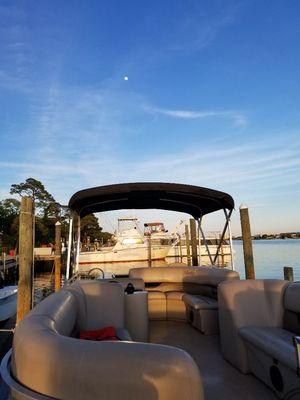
[[270, 256]]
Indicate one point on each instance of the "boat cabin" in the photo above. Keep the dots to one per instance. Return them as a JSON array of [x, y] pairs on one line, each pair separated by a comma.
[[161, 333]]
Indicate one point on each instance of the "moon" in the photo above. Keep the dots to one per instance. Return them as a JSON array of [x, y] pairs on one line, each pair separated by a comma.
[[126, 78]]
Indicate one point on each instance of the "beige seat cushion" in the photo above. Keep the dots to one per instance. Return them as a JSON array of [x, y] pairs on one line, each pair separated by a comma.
[[100, 304], [175, 306], [276, 342], [200, 302], [174, 296], [138, 284], [211, 276], [292, 297], [157, 305]]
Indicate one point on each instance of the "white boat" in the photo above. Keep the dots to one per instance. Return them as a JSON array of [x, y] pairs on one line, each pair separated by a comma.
[[131, 245], [177, 243], [8, 302]]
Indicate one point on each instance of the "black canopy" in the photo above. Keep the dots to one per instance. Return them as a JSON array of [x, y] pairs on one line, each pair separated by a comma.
[[193, 200]]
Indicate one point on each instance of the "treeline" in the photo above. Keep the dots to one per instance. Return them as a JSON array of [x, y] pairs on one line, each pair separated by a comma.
[[271, 236], [47, 212]]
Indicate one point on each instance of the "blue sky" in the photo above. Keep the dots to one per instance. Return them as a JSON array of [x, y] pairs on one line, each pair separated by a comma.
[[212, 99]]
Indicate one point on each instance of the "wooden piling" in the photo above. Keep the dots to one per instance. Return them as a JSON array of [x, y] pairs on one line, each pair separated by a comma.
[[180, 249], [57, 260], [25, 258], [288, 273], [247, 243], [149, 251], [194, 242], [187, 245]]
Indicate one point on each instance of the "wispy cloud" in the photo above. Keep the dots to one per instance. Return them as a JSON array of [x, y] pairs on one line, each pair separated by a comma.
[[199, 28], [238, 118]]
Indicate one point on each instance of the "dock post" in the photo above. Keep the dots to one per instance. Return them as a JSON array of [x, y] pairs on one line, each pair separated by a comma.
[[57, 259], [247, 242], [180, 249], [288, 273], [194, 242], [149, 251], [25, 258], [187, 245]]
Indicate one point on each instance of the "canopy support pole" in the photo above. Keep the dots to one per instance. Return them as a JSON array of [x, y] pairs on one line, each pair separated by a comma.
[[77, 245], [227, 216], [206, 245], [230, 243], [69, 248], [199, 238]]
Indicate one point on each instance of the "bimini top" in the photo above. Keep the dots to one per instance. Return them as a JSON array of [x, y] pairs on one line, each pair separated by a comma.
[[193, 200]]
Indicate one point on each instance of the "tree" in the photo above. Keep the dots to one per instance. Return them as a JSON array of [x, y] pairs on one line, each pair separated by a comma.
[[9, 222], [43, 200], [89, 226]]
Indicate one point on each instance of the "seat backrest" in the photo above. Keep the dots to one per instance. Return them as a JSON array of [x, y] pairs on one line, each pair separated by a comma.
[[61, 309], [100, 304], [291, 320], [244, 303], [200, 275], [137, 283]]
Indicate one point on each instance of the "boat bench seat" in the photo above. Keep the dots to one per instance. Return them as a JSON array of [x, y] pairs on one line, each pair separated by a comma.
[[48, 358], [169, 289], [259, 319], [275, 342], [202, 313]]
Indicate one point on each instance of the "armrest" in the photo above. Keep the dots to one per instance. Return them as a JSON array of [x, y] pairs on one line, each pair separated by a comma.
[[297, 348], [63, 368]]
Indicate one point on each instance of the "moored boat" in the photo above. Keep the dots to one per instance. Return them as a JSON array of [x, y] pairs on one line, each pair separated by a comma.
[[8, 302], [131, 245]]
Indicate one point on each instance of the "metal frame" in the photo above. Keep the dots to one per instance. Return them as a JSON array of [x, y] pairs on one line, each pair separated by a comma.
[[75, 238], [69, 248], [77, 245], [227, 226]]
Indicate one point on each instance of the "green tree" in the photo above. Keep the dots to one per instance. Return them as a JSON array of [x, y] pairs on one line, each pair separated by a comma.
[[9, 222], [89, 226], [43, 200]]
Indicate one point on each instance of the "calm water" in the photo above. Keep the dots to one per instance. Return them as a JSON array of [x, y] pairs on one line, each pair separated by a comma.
[[270, 256]]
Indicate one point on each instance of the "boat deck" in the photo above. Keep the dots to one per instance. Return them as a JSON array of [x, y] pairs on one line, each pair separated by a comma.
[[221, 380]]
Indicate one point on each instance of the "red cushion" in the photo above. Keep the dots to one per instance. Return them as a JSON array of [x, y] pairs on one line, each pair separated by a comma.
[[107, 333]]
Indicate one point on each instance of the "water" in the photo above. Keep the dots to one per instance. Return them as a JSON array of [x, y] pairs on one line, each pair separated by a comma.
[[270, 256]]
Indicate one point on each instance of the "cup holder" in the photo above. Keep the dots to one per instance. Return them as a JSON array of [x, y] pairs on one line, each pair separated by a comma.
[[276, 378]]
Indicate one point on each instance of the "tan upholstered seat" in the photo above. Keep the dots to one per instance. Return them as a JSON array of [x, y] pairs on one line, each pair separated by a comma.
[[49, 361], [202, 313], [276, 342], [176, 282], [157, 305], [200, 302], [252, 322], [175, 306]]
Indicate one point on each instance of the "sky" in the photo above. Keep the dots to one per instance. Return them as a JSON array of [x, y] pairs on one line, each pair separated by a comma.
[[212, 98]]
